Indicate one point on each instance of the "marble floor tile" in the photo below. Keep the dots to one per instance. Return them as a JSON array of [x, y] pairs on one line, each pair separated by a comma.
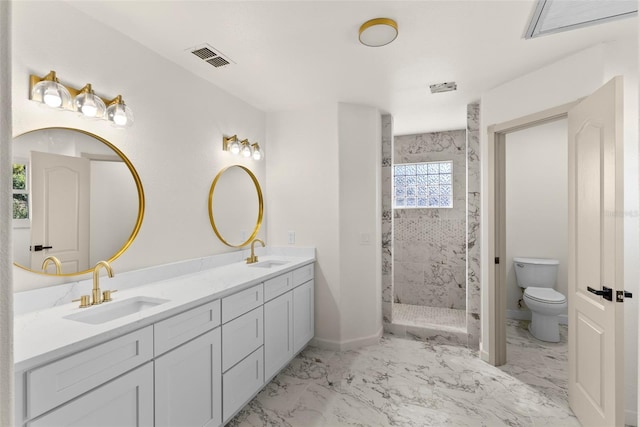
[[405, 382]]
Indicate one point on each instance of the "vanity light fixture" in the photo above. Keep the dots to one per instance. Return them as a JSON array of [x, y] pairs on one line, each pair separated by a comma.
[[378, 32], [246, 148], [48, 90], [257, 153], [88, 103], [243, 147]]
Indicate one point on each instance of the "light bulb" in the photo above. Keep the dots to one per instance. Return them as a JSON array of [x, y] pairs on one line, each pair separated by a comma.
[[119, 117], [52, 97], [246, 150], [257, 153], [234, 147], [119, 113], [87, 103]]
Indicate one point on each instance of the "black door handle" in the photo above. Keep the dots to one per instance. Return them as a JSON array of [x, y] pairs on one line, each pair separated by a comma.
[[38, 248], [606, 293]]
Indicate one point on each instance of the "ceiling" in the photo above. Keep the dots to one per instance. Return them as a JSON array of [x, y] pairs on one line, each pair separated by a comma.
[[290, 55]]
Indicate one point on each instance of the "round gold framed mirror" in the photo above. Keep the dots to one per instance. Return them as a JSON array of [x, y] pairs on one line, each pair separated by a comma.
[[235, 206], [77, 200]]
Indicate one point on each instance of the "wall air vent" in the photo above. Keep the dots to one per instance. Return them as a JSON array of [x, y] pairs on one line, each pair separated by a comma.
[[443, 87], [210, 55]]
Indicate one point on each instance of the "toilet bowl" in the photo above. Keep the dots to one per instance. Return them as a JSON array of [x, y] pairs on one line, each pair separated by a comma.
[[538, 277], [545, 305]]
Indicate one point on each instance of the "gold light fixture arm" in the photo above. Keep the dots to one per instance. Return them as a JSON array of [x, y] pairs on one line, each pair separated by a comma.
[[228, 140]]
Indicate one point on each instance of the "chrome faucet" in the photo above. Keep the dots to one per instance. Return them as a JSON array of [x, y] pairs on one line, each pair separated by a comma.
[[54, 260], [96, 297], [253, 258]]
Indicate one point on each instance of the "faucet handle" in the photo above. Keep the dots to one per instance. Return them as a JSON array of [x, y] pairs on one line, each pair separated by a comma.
[[106, 295], [84, 301]]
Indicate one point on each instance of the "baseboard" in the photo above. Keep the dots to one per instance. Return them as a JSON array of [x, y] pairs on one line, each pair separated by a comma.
[[347, 345], [630, 418], [526, 315]]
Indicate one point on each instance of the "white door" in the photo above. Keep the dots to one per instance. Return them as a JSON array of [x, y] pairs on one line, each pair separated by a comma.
[[596, 380], [60, 210]]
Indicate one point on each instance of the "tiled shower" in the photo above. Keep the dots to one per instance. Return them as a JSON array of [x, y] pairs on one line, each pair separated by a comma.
[[430, 255]]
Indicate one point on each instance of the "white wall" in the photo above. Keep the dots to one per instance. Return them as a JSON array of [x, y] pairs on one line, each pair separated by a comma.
[[561, 82], [303, 189], [114, 202], [176, 140], [323, 182], [537, 196], [360, 136]]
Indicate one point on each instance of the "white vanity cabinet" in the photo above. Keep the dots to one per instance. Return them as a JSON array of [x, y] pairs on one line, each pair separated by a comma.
[[288, 317], [125, 401], [242, 351], [198, 367], [188, 386]]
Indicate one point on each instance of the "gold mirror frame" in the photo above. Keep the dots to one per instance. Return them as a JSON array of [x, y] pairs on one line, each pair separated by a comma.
[[260, 206], [141, 205]]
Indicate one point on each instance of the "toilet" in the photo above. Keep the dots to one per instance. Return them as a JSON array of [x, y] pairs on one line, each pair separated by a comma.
[[537, 276]]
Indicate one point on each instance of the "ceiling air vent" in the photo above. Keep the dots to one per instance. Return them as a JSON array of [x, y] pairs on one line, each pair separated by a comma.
[[210, 55], [443, 87]]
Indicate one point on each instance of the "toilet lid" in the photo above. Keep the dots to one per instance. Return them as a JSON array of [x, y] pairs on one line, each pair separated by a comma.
[[548, 295]]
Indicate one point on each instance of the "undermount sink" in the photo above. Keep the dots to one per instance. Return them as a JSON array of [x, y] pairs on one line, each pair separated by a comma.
[[108, 311], [269, 263]]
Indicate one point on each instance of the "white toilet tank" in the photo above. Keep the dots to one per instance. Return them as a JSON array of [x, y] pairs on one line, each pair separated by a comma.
[[538, 272]]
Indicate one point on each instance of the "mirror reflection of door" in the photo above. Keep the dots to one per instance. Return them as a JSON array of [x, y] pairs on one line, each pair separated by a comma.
[[86, 213], [60, 213]]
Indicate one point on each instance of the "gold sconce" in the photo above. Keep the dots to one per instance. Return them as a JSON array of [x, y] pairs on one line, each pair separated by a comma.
[[243, 148], [48, 90]]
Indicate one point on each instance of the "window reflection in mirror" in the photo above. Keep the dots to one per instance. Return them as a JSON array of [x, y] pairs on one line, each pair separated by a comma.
[[76, 197]]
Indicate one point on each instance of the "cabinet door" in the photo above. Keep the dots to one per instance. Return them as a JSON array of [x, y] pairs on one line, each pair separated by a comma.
[[189, 383], [303, 326], [278, 334], [242, 382], [125, 401]]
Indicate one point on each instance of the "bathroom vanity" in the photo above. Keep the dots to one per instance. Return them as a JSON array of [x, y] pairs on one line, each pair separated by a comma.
[[192, 349]]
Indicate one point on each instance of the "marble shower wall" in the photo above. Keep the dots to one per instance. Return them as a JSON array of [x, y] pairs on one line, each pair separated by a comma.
[[429, 245], [387, 225], [473, 225]]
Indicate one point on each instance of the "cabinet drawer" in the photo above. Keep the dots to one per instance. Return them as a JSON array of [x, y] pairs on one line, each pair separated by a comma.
[[241, 336], [242, 302], [178, 329], [241, 382], [277, 286], [60, 381], [302, 274], [125, 401]]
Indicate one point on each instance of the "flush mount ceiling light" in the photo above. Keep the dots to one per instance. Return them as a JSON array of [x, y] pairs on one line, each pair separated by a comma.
[[244, 148], [48, 90], [553, 16], [378, 32]]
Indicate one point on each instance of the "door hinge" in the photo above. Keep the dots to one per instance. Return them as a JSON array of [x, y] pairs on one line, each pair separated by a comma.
[[497, 260], [621, 295]]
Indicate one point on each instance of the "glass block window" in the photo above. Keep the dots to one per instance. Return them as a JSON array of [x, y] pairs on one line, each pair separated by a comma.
[[423, 185]]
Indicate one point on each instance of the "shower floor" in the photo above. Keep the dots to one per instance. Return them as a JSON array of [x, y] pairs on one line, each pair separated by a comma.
[[430, 317]]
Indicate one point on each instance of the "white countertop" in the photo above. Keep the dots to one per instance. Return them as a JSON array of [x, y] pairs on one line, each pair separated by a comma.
[[45, 335]]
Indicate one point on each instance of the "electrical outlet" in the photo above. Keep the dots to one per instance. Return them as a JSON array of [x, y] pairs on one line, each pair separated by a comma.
[[291, 237], [365, 239]]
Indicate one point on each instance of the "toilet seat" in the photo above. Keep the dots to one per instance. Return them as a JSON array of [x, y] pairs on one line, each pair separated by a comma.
[[545, 295]]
